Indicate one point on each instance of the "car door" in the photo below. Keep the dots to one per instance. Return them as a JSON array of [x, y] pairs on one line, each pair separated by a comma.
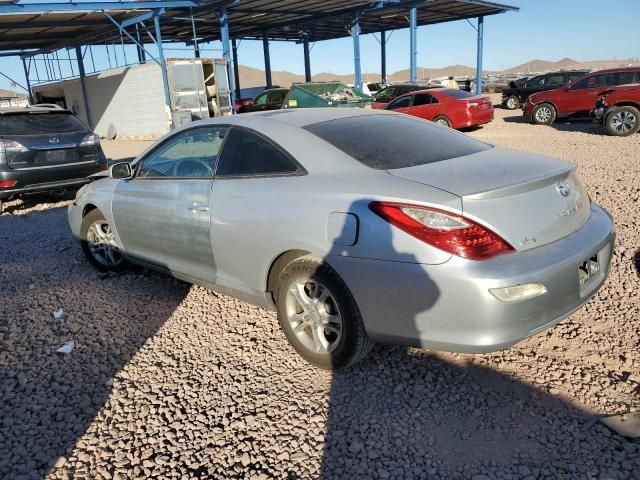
[[249, 195], [401, 104], [581, 96], [162, 214], [425, 106]]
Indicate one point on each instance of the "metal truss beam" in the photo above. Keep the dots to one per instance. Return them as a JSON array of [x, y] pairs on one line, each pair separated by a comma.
[[93, 6]]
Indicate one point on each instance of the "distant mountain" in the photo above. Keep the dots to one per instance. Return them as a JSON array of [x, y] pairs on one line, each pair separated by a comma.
[[254, 77], [542, 66]]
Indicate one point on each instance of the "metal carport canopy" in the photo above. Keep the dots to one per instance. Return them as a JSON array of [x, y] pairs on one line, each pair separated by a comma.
[[33, 26], [28, 28]]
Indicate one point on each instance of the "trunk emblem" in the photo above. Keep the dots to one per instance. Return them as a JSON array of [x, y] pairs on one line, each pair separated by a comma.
[[563, 188], [54, 140]]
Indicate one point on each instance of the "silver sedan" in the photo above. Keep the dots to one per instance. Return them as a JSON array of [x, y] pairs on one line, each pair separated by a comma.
[[356, 226]]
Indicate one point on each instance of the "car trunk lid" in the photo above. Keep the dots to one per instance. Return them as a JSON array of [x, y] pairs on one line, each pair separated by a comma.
[[528, 200]]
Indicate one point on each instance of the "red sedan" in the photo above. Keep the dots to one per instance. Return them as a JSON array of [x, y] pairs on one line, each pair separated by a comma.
[[445, 106]]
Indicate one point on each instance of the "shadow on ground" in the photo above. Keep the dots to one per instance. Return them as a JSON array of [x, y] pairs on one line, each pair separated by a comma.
[[48, 398], [409, 414]]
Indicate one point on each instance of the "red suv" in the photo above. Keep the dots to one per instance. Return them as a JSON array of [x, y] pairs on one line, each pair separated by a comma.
[[578, 97]]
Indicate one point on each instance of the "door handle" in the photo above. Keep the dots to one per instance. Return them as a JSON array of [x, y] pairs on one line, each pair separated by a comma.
[[198, 207]]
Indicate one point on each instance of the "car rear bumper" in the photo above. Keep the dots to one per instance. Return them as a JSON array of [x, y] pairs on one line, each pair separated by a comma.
[[480, 118], [49, 178], [449, 306]]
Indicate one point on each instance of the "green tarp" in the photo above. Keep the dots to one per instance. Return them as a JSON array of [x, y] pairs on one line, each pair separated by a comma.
[[325, 94]]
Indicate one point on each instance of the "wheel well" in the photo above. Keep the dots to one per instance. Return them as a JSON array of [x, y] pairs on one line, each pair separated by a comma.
[[278, 265], [627, 104], [88, 208]]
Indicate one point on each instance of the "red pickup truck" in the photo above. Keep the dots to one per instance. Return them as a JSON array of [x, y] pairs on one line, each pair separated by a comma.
[[618, 109], [578, 97]]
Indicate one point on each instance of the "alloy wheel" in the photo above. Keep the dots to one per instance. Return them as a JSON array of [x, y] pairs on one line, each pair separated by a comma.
[[543, 114], [102, 244], [511, 103], [623, 122], [442, 122], [314, 316]]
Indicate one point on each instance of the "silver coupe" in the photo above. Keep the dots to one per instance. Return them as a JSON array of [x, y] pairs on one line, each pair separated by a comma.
[[356, 226]]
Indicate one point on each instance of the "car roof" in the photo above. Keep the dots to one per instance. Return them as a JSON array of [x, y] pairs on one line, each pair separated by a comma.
[[296, 117]]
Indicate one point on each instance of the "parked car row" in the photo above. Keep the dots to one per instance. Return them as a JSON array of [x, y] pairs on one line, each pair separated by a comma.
[[612, 94]]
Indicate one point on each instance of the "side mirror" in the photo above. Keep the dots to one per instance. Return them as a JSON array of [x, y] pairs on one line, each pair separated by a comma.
[[121, 171]]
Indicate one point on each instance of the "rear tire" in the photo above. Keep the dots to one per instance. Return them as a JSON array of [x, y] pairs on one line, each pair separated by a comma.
[[512, 103], [98, 243], [543, 114], [319, 315], [442, 121], [622, 121]]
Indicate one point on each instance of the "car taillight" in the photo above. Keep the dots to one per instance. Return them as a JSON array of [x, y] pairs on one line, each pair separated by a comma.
[[10, 146], [90, 140], [8, 183], [449, 232]]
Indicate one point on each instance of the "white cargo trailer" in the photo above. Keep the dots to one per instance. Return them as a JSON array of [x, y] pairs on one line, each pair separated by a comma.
[[129, 102]]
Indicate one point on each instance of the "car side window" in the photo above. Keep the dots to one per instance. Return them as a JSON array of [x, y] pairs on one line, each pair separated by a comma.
[[555, 80], [621, 78], [400, 103], [592, 81], [276, 97], [248, 154], [423, 99], [190, 154], [385, 94], [261, 99]]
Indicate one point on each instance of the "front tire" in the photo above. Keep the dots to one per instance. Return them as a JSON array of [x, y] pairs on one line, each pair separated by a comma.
[[98, 243], [319, 315], [622, 121], [512, 103], [544, 114]]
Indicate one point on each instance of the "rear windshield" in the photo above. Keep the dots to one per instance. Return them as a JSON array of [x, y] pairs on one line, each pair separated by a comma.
[[39, 123], [386, 142], [452, 92]]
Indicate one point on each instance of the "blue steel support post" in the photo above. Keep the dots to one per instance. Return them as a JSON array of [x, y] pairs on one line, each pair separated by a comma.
[[413, 33], [163, 64], [383, 57], [267, 59], [141, 55], [355, 33], [236, 67], [479, 57], [226, 52], [26, 79], [83, 86], [307, 58]]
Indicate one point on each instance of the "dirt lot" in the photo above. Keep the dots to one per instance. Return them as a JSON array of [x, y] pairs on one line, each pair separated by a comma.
[[172, 381]]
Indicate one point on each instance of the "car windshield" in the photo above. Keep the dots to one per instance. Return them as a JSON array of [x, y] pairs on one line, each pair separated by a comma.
[[32, 123], [452, 92], [386, 142]]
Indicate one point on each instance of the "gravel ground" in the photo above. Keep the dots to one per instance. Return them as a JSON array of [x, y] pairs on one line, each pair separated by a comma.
[[169, 380]]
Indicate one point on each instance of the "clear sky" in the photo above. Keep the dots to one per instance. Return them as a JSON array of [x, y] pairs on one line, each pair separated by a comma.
[[545, 29]]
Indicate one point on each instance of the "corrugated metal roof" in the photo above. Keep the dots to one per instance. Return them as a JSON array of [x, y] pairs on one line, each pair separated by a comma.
[[280, 19]]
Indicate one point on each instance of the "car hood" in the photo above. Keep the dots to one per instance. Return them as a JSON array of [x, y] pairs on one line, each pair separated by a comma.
[[542, 96]]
